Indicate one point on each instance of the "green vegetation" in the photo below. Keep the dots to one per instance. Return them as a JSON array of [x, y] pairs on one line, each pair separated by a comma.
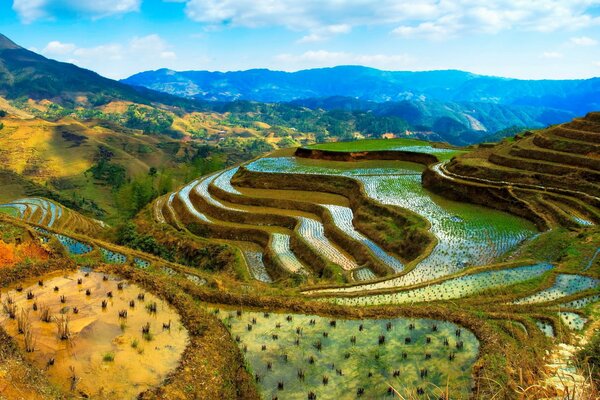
[[402, 144], [149, 120], [9, 210], [110, 173], [127, 235]]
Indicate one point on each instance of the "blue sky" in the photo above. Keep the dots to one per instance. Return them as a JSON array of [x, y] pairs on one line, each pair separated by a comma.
[[533, 39]]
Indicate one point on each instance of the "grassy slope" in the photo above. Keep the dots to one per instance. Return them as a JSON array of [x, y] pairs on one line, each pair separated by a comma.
[[49, 153]]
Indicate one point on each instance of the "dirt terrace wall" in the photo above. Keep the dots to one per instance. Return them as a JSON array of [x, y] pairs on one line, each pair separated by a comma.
[[571, 131], [568, 182], [397, 155], [558, 143]]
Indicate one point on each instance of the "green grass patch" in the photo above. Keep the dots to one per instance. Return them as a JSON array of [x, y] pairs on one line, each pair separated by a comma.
[[9, 211], [418, 146]]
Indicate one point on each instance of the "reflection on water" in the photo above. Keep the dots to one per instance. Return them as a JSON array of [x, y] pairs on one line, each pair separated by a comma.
[[292, 355]]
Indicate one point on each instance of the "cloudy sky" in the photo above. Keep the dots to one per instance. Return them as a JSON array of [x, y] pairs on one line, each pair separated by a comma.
[[513, 38]]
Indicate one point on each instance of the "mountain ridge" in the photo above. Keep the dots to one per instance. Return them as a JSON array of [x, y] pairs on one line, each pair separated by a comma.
[[26, 74], [371, 84]]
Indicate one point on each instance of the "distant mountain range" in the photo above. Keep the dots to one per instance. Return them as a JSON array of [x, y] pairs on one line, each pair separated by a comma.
[[368, 84], [332, 103]]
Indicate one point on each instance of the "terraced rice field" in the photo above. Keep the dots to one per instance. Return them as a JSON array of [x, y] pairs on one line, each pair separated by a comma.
[[581, 303], [564, 285], [546, 328], [572, 320], [281, 247], [73, 246], [293, 355], [314, 233], [467, 235], [294, 165], [140, 263], [48, 213], [112, 257], [280, 242], [310, 229], [254, 260], [450, 289]]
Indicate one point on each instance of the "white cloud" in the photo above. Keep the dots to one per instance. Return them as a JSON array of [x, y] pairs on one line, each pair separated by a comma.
[[32, 10], [584, 41], [29, 10], [324, 33], [324, 58], [441, 29], [428, 18], [56, 48], [597, 63], [552, 55], [117, 60]]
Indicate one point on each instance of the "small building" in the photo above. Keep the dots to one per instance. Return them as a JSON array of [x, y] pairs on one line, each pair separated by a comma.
[[388, 135]]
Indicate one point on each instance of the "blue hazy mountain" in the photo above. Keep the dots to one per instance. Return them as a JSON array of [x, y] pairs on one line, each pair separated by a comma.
[[373, 85]]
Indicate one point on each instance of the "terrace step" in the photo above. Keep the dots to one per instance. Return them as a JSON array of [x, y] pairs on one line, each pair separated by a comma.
[[489, 173], [570, 133], [539, 210], [528, 150], [308, 231], [521, 160], [169, 213], [554, 142], [279, 263], [47, 213], [576, 208], [332, 230], [557, 212]]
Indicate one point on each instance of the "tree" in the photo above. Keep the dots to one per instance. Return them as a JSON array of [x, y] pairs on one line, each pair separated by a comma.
[[133, 196]]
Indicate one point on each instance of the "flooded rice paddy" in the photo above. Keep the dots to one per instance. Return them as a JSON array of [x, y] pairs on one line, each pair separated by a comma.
[[97, 336], [294, 355]]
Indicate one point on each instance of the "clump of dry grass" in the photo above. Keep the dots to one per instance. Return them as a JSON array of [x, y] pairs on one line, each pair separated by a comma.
[[62, 325], [9, 307], [45, 314]]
